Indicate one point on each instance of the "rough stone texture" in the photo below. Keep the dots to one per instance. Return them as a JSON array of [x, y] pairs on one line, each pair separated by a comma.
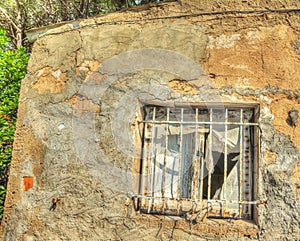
[[78, 104], [223, 5], [296, 177]]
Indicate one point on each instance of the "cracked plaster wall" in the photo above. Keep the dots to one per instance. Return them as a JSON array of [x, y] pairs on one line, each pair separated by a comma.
[[72, 96]]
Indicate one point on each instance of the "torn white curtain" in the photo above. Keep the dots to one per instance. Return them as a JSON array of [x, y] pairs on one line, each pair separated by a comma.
[[216, 142], [217, 139]]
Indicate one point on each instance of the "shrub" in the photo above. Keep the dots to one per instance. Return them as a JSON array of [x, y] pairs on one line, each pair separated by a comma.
[[13, 63]]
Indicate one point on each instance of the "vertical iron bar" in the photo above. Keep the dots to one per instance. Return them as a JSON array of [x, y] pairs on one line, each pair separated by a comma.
[[195, 163], [225, 161], [165, 163], [151, 173], [247, 169], [201, 148], [179, 162], [145, 165], [149, 205], [142, 167], [210, 146], [146, 175], [241, 164]]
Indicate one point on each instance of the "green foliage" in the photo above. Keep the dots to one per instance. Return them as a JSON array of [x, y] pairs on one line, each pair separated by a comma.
[[13, 63], [17, 16], [2, 197], [4, 40]]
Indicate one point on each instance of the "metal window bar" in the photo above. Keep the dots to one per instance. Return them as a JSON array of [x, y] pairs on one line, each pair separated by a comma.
[[209, 201], [225, 163], [165, 161], [247, 169], [200, 123], [145, 165], [151, 169], [210, 147], [195, 163], [201, 148], [179, 161], [241, 165], [147, 172], [197, 189]]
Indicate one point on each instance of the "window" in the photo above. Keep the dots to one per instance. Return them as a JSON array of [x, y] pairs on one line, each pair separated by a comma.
[[199, 159]]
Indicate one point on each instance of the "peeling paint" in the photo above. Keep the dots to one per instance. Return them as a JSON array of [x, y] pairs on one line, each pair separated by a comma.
[[223, 41]]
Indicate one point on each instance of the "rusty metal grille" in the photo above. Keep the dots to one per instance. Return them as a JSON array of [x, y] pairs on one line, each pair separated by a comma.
[[198, 160]]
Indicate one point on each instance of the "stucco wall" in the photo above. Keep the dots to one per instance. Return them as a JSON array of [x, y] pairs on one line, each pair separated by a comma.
[[77, 112]]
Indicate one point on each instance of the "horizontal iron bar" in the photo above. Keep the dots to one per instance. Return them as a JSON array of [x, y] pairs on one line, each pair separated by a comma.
[[236, 202], [199, 123], [208, 201], [203, 105]]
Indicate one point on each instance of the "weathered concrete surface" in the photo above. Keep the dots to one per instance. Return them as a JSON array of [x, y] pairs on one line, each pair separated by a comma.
[[77, 115], [223, 5]]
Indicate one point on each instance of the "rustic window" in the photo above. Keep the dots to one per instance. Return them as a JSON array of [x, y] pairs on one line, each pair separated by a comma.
[[199, 159]]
